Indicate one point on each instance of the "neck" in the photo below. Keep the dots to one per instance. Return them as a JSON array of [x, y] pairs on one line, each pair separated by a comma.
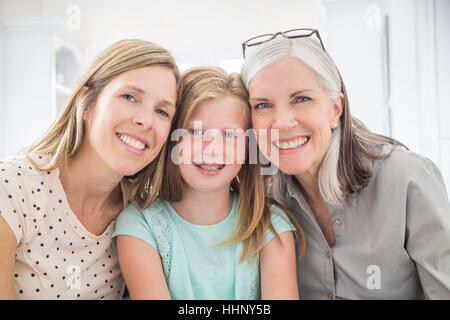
[[310, 185], [204, 208], [89, 186]]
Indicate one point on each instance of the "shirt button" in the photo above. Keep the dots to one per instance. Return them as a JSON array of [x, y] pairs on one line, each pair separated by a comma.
[[328, 254], [337, 223], [330, 295]]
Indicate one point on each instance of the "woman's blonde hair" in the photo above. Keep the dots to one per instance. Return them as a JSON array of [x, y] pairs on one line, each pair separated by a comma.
[[65, 136], [198, 85]]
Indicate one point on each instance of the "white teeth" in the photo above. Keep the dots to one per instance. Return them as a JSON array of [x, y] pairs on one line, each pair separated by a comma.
[[291, 144], [132, 142], [211, 168]]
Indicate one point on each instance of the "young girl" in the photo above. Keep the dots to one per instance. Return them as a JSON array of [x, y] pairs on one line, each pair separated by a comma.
[[210, 235]]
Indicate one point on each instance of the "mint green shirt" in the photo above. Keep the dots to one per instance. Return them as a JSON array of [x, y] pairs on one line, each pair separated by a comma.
[[193, 268]]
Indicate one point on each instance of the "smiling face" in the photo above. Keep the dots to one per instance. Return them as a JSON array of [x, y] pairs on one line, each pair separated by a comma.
[[127, 125], [213, 155], [286, 95]]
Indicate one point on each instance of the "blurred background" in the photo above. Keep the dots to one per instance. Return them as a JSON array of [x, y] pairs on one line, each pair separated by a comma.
[[393, 55]]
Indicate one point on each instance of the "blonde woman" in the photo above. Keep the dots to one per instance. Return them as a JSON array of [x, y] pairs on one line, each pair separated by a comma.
[[210, 235], [59, 200], [376, 216]]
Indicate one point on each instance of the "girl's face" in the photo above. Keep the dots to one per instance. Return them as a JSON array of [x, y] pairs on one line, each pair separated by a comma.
[[287, 96], [126, 127], [213, 155]]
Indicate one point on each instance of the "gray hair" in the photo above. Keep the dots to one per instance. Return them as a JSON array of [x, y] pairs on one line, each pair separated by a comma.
[[311, 53]]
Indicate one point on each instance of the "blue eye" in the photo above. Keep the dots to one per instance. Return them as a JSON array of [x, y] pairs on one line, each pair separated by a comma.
[[263, 105], [195, 132], [129, 97], [163, 113], [301, 99], [229, 134]]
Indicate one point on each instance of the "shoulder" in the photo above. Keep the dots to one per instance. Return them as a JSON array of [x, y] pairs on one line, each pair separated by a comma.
[[24, 190], [405, 165], [134, 215], [280, 223], [20, 166], [279, 218], [151, 225], [276, 211]]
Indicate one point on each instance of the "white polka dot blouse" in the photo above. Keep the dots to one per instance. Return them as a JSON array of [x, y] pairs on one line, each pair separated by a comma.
[[56, 257]]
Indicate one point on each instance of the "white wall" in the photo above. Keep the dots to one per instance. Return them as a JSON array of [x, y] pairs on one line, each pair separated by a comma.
[[2, 106], [356, 48], [26, 100], [410, 79], [404, 73], [442, 23], [196, 31], [420, 46]]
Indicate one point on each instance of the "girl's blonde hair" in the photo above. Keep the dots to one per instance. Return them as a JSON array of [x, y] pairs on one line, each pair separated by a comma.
[[198, 85], [65, 136]]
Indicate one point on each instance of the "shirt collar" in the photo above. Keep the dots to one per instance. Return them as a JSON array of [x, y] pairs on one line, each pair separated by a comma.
[[293, 191]]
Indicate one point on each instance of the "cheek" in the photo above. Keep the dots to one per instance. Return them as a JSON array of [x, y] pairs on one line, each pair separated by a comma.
[[104, 118], [188, 148], [262, 128], [322, 132], [260, 122], [98, 127], [161, 129], [235, 151]]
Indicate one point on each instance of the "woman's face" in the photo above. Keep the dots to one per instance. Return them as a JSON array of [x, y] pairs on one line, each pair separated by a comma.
[[286, 96], [213, 154], [126, 127]]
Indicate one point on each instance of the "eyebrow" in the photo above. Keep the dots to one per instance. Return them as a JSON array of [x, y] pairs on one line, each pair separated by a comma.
[[133, 88], [166, 103], [299, 92], [292, 95]]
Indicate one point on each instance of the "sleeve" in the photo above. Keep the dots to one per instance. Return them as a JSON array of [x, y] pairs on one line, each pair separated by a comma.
[[428, 230], [10, 209], [132, 222], [280, 222]]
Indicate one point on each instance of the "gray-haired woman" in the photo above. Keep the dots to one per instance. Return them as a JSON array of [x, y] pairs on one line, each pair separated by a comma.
[[375, 215]]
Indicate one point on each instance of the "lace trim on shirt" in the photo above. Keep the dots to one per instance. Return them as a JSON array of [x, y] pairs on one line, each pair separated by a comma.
[[162, 231], [255, 291]]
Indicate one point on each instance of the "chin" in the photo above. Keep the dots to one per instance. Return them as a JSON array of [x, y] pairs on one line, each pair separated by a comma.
[[292, 168], [128, 170], [207, 188]]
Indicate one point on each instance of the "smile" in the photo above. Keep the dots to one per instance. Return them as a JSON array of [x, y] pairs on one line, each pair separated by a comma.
[[292, 144], [209, 169], [132, 142]]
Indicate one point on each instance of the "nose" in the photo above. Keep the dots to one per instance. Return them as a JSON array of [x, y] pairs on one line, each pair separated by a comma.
[[212, 148], [144, 119], [284, 119]]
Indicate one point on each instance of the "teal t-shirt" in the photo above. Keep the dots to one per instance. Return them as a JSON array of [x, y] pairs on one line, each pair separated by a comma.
[[193, 268]]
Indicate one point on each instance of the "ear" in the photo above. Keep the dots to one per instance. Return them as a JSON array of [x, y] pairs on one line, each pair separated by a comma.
[[338, 107]]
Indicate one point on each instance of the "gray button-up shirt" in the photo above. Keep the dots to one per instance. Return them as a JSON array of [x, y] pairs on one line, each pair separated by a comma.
[[392, 241]]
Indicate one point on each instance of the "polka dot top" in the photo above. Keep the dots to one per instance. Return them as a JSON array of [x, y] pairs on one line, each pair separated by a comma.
[[56, 257]]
